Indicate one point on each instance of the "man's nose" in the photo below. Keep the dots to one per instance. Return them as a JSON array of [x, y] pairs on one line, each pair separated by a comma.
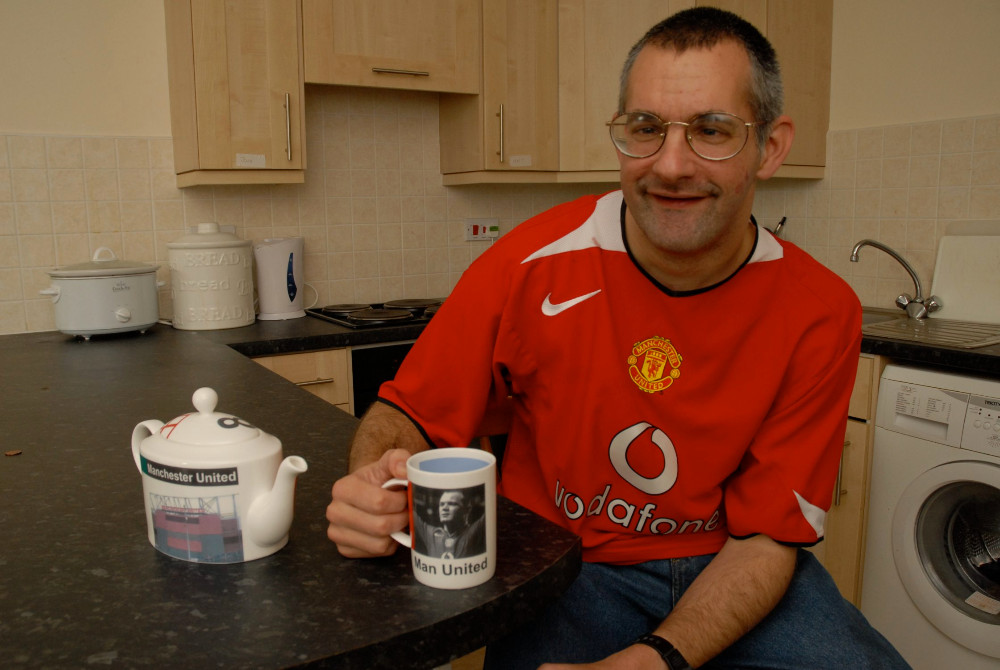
[[675, 158]]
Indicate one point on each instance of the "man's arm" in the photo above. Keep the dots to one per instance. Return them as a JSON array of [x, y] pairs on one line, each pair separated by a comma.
[[741, 586], [382, 428], [362, 514]]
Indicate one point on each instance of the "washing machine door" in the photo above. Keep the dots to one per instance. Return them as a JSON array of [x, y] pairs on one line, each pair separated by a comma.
[[946, 546]]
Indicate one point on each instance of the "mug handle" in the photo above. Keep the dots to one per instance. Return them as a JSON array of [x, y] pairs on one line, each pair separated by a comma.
[[404, 539]]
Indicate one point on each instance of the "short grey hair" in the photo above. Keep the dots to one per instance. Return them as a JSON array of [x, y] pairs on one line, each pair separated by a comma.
[[705, 27]]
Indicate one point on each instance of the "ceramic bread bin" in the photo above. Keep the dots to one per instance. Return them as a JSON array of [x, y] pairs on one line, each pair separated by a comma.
[[216, 488]]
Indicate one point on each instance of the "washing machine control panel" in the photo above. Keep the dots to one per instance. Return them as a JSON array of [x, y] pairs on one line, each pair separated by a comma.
[[982, 425]]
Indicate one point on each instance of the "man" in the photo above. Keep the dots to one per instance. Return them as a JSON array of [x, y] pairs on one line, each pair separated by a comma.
[[677, 379], [457, 536]]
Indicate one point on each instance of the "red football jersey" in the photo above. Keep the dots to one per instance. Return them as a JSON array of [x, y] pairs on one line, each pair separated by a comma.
[[652, 423]]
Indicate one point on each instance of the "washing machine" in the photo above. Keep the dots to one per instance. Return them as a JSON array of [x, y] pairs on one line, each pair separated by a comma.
[[931, 580]]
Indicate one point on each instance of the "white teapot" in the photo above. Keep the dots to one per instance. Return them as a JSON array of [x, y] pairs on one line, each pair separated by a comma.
[[215, 487]]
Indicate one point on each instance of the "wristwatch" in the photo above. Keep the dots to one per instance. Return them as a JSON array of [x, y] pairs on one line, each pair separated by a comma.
[[673, 658]]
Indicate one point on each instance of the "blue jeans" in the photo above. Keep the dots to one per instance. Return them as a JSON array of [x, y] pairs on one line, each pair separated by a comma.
[[608, 607]]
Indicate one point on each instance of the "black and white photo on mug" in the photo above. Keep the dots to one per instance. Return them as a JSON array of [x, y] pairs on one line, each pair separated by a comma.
[[449, 523]]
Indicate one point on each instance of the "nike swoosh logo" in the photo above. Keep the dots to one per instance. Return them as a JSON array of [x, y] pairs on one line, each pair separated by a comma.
[[550, 309]]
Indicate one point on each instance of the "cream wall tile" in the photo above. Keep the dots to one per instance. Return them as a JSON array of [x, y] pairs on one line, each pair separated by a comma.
[[956, 169], [12, 319], [957, 136], [896, 141], [133, 153], [25, 151], [66, 185], [987, 134], [986, 168], [924, 170], [29, 185], [99, 152], [64, 152], [7, 225], [10, 285], [378, 223], [10, 256], [6, 190], [69, 217], [926, 139], [33, 218], [870, 143]]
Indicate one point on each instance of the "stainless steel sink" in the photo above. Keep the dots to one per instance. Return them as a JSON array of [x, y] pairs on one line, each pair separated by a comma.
[[930, 331]]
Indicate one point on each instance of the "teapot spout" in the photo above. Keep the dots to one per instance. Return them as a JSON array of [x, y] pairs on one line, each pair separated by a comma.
[[270, 515]]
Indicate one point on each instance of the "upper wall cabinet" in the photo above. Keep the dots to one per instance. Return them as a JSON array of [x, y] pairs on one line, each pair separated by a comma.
[[427, 45], [551, 73], [236, 90]]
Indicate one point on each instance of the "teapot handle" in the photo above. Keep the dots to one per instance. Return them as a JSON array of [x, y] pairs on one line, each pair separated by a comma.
[[140, 433]]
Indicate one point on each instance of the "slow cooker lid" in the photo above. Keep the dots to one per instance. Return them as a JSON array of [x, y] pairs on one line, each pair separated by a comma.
[[103, 264]]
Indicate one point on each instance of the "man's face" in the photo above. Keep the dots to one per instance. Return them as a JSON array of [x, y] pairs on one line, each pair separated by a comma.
[[451, 506], [679, 202]]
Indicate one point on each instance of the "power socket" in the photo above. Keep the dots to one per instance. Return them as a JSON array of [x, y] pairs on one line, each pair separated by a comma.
[[481, 229]]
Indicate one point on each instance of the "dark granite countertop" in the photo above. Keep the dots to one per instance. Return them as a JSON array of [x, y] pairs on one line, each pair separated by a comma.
[[80, 584]]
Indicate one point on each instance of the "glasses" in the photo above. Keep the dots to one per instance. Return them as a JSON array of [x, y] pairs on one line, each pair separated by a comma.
[[714, 136]]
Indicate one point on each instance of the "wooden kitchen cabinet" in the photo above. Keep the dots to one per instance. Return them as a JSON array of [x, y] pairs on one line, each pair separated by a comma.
[[427, 45], [554, 67], [236, 91], [843, 549], [325, 373]]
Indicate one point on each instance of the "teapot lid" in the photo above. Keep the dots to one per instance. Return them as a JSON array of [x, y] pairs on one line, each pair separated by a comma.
[[206, 426]]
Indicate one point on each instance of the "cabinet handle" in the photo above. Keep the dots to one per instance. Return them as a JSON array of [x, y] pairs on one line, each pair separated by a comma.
[[315, 382], [500, 116], [288, 126], [390, 70], [840, 475]]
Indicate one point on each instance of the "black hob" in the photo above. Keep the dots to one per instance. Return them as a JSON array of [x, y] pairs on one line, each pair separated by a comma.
[[378, 315]]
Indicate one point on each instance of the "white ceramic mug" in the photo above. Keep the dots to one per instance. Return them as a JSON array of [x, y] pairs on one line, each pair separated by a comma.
[[452, 495]]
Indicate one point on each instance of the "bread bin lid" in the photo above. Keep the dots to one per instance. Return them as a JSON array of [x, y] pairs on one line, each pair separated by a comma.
[[206, 236], [103, 264]]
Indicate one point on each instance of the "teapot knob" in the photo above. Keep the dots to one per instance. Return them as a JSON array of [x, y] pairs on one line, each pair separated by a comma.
[[205, 399]]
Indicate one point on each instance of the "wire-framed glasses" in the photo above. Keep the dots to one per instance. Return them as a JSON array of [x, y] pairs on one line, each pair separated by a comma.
[[714, 136]]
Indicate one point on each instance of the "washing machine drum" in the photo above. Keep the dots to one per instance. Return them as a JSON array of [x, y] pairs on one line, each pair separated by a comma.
[[946, 546]]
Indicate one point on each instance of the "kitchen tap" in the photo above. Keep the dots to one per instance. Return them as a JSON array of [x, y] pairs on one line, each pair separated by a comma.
[[915, 307]]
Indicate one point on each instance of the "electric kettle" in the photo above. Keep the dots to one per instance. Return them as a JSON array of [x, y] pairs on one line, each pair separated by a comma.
[[280, 278], [215, 487]]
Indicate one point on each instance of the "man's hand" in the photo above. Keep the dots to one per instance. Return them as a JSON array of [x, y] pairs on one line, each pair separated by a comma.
[[363, 514]]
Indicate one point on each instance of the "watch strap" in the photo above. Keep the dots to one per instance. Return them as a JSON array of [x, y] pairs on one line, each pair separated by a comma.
[[668, 652]]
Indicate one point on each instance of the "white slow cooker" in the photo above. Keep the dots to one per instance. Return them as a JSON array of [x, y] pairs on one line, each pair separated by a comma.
[[104, 295]]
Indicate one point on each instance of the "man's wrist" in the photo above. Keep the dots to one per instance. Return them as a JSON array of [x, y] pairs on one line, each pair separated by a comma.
[[673, 658]]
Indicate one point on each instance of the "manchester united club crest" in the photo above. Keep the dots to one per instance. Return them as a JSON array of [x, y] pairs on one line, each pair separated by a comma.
[[653, 364]]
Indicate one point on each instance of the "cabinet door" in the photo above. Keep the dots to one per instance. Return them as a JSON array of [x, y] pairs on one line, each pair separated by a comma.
[[802, 35], [845, 522], [236, 90], [325, 374], [430, 45], [595, 37], [513, 125]]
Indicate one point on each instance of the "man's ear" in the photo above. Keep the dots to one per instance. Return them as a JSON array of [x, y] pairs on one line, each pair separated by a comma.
[[777, 146]]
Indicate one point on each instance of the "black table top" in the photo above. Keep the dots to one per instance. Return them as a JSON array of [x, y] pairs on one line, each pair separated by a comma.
[[80, 585]]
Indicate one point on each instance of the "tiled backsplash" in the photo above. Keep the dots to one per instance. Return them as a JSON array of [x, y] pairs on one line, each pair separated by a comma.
[[378, 224]]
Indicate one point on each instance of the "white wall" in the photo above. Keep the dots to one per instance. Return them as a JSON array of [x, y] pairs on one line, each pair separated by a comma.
[[83, 67], [906, 61], [98, 67]]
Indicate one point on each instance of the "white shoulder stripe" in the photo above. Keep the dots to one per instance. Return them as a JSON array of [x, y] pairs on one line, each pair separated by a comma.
[[813, 514], [768, 248], [601, 230]]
